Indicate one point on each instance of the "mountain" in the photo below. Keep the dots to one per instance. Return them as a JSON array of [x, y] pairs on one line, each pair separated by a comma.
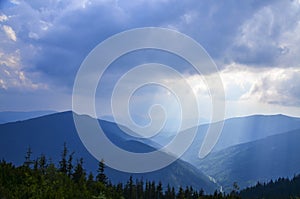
[[46, 135], [13, 116], [242, 130], [269, 158]]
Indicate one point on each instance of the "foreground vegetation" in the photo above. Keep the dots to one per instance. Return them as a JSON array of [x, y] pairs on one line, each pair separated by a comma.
[[41, 178], [281, 188]]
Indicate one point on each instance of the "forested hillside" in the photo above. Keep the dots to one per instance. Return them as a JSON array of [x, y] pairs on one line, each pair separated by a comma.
[[281, 188], [42, 178]]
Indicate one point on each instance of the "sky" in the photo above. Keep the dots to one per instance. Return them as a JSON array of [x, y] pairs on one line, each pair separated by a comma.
[[255, 45]]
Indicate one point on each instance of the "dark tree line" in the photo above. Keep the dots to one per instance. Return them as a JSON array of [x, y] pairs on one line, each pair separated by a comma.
[[281, 188], [41, 178]]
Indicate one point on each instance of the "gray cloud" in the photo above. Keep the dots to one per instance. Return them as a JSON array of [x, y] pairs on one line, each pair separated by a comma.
[[53, 37], [261, 40], [278, 86], [63, 32]]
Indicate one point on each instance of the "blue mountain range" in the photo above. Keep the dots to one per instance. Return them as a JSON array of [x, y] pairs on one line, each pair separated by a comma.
[[250, 149], [47, 134]]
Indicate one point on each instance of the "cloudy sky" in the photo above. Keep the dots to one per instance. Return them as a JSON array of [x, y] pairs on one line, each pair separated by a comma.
[[255, 45]]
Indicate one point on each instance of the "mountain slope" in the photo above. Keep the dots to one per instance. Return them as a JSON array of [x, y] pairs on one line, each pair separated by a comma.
[[269, 158], [242, 130], [13, 116], [48, 133]]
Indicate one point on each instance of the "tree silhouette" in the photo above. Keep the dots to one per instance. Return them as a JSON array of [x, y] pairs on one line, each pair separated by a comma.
[[28, 160], [101, 177], [63, 161]]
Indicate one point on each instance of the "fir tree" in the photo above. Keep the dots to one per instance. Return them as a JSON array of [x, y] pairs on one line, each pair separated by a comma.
[[63, 161], [101, 177], [28, 160]]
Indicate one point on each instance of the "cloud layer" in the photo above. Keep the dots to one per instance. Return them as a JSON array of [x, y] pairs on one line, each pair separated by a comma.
[[254, 43]]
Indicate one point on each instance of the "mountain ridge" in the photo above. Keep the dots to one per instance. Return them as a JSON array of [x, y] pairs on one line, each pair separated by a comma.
[[242, 130], [47, 134], [261, 160], [13, 116]]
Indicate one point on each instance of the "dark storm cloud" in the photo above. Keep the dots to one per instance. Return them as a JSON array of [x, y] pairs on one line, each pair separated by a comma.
[[54, 37], [73, 31]]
